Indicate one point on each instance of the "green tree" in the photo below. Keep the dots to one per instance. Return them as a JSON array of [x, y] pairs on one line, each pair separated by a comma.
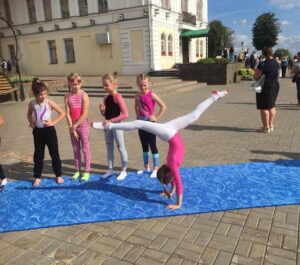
[[219, 37], [280, 52], [265, 31]]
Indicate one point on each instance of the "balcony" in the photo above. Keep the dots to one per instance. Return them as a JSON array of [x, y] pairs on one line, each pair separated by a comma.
[[188, 18]]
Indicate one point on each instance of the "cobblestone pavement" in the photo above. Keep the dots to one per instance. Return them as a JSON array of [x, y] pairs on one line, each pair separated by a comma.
[[224, 134]]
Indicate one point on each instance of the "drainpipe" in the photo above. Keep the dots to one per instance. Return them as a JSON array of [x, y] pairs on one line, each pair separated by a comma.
[[150, 35]]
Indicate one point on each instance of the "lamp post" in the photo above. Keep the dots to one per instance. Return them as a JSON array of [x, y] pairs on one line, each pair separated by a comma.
[[22, 94]]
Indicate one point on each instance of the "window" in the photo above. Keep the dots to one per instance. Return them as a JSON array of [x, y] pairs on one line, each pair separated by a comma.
[[166, 4], [184, 5], [201, 48], [64, 8], [12, 54], [47, 10], [199, 10], [170, 45], [197, 48], [83, 7], [69, 49], [102, 6], [31, 11], [52, 52], [7, 11], [163, 44]]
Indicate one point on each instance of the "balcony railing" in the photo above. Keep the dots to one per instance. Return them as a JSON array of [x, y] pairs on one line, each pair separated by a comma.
[[188, 18]]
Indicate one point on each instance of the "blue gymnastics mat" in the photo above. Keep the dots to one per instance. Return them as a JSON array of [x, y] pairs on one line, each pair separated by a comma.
[[206, 189]]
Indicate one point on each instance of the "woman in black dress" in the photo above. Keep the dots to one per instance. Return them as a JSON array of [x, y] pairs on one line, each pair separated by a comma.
[[265, 101]]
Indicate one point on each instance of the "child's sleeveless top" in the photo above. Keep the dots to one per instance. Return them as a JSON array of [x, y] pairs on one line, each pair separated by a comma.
[[112, 109], [41, 112], [75, 103], [146, 106]]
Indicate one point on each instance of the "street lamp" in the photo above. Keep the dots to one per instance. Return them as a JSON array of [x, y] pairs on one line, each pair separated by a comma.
[[22, 94]]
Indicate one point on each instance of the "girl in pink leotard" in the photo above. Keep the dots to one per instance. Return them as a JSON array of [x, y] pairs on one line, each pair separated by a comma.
[[168, 173]]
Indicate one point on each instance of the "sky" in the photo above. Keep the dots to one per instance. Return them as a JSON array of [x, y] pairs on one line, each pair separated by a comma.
[[240, 15]]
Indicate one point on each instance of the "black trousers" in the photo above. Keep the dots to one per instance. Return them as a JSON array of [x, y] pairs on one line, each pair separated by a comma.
[[45, 137], [148, 139], [2, 176]]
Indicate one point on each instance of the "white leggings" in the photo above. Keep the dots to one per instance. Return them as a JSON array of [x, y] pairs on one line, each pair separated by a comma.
[[165, 131]]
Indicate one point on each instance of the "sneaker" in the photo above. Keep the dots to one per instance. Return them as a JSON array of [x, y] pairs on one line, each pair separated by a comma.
[[122, 175], [271, 128], [264, 130], [85, 177], [3, 182], [108, 174], [142, 171], [153, 174], [76, 175]]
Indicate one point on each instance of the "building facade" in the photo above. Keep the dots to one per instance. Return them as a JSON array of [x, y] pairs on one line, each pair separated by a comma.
[[93, 37]]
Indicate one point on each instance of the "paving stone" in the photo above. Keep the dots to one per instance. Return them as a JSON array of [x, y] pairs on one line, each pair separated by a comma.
[[243, 247], [122, 250], [174, 260], [209, 256], [156, 256], [242, 260], [223, 258], [133, 254], [277, 260], [158, 242]]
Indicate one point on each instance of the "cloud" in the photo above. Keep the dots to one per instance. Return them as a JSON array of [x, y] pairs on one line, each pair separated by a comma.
[[242, 22], [285, 23], [246, 39], [291, 42], [286, 4]]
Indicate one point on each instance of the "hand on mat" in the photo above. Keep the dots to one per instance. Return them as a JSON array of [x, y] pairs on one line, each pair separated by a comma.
[[173, 206]]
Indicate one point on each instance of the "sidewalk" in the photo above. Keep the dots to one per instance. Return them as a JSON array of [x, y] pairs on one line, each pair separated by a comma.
[[225, 133]]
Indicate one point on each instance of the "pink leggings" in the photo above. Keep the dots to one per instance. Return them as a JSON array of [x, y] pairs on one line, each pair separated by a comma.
[[82, 142]]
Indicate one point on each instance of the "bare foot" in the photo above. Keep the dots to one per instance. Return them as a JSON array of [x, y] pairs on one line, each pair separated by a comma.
[[59, 180], [36, 183]]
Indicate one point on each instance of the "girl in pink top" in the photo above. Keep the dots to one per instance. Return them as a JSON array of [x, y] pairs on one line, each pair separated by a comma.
[[144, 107], [77, 105], [168, 173], [114, 110]]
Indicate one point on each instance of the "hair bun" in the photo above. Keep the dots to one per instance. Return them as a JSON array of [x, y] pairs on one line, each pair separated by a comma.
[[115, 74]]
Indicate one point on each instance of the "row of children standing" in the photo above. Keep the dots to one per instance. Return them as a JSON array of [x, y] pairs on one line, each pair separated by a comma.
[[113, 109]]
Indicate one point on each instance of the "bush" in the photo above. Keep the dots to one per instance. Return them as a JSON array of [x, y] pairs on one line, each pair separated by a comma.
[[213, 60], [246, 72], [25, 79]]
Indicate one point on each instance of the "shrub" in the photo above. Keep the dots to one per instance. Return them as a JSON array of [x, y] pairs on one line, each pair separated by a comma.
[[24, 78], [213, 60], [246, 72]]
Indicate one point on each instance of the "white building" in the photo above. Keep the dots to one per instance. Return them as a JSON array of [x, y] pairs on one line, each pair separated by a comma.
[[93, 37]]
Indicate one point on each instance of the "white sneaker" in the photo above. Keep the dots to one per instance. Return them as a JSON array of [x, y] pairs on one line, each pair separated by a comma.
[[108, 174], [153, 174], [139, 172], [122, 175], [3, 182]]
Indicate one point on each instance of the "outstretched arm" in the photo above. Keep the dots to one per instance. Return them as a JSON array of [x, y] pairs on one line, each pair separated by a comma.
[[184, 121]]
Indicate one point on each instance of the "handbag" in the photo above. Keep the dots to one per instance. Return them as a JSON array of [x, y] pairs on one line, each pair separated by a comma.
[[257, 85]]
